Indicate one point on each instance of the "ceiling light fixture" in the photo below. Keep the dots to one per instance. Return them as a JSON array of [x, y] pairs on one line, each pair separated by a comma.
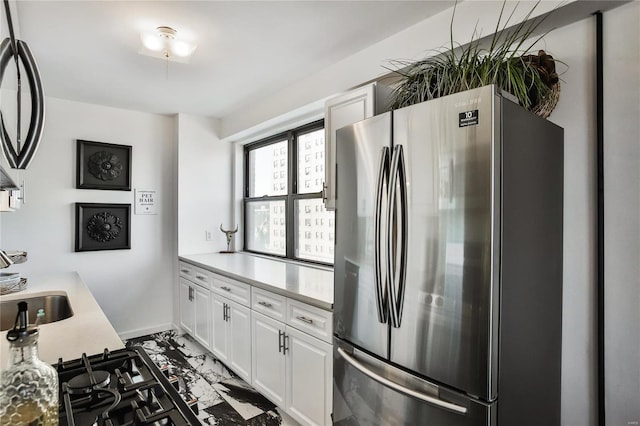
[[164, 43]]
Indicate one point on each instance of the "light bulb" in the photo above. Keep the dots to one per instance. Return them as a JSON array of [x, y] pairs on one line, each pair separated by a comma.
[[181, 48], [153, 41]]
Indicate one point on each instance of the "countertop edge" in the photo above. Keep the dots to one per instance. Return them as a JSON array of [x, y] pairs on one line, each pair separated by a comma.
[[87, 331], [319, 303]]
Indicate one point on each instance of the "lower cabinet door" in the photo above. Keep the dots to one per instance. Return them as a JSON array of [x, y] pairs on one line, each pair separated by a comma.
[[268, 359], [239, 340], [186, 307], [219, 342], [309, 378], [202, 325]]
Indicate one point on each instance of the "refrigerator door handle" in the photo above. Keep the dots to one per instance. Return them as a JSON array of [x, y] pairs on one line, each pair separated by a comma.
[[400, 388], [398, 178], [381, 288]]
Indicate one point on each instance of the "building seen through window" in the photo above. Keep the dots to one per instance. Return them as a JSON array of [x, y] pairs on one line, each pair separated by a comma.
[[284, 212]]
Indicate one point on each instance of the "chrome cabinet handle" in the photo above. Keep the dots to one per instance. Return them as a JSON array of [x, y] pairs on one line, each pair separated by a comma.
[[201, 277], [225, 288], [305, 319], [398, 387], [381, 288], [186, 271], [265, 304], [285, 347], [225, 312], [280, 340]]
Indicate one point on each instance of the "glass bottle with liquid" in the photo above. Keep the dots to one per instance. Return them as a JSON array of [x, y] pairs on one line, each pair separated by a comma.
[[29, 386]]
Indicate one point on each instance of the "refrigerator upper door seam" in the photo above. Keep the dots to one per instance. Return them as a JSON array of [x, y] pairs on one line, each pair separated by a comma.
[[396, 269], [400, 388], [381, 288]]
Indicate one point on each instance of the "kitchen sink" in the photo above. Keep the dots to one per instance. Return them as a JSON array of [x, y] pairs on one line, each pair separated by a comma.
[[56, 307]]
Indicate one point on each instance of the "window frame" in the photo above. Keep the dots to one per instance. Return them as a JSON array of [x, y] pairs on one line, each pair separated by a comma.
[[290, 136]]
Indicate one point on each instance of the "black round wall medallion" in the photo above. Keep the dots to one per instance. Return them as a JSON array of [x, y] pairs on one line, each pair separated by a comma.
[[103, 227], [105, 165]]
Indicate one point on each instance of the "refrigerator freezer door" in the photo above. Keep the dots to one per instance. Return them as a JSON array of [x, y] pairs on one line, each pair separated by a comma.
[[360, 309], [448, 328], [368, 391]]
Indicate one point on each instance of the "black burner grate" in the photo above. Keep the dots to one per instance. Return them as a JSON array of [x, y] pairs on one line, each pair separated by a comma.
[[115, 388]]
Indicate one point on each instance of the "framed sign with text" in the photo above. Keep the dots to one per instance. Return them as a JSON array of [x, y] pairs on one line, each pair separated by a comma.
[[146, 201]]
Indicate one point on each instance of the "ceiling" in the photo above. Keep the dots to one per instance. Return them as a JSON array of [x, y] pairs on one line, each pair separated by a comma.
[[87, 51]]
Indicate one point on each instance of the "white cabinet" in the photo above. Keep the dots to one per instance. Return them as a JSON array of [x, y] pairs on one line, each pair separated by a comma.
[[202, 320], [231, 317], [187, 309], [309, 319], [268, 303], [268, 361], [195, 311], [195, 303], [219, 342], [231, 341], [231, 289], [342, 110], [239, 328], [309, 378], [292, 369], [280, 345]]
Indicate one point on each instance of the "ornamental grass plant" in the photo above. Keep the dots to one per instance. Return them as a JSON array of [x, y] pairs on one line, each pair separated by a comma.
[[505, 63]]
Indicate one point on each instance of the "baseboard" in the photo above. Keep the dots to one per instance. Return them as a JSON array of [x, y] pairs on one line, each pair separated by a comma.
[[145, 331]]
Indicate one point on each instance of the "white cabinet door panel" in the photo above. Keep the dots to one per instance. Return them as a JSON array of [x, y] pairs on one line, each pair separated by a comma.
[[239, 339], [345, 109], [202, 325], [186, 307], [268, 361], [219, 343], [309, 378]]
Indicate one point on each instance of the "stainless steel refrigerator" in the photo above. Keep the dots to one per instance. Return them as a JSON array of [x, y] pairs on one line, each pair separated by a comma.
[[448, 266]]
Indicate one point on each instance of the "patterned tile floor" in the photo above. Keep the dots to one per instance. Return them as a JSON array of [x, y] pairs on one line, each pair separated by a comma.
[[223, 398]]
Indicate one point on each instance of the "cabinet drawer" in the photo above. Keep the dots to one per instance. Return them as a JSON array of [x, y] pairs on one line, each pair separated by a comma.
[[268, 303], [202, 277], [187, 271], [231, 289], [314, 321], [195, 274]]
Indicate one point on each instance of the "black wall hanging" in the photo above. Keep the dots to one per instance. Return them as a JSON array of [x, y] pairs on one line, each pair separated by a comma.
[[103, 226], [20, 154], [103, 166]]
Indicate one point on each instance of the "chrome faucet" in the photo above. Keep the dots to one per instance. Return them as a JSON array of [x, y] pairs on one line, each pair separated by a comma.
[[11, 257], [5, 260], [11, 282]]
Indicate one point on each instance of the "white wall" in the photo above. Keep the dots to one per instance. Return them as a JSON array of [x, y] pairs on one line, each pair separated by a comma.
[[204, 185], [575, 45], [134, 286], [622, 221]]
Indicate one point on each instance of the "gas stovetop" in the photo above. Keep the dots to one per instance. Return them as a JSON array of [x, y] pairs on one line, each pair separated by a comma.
[[122, 387]]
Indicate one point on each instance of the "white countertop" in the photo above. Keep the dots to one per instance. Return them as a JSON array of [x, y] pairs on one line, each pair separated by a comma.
[[308, 284], [87, 331]]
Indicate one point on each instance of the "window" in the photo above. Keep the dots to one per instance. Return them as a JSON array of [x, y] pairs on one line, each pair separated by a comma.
[[289, 188]]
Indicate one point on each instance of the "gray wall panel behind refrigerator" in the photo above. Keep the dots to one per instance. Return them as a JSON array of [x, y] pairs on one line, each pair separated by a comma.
[[531, 288]]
